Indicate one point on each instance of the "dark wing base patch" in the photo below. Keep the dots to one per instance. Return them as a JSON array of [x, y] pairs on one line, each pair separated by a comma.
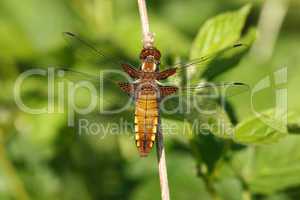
[[127, 87], [167, 90]]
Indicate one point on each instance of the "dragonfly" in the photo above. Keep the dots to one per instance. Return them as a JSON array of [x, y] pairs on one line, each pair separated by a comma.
[[148, 92]]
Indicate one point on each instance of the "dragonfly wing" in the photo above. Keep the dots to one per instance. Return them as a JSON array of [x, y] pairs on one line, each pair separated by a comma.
[[102, 89], [203, 60], [216, 90], [83, 48], [203, 107], [100, 108]]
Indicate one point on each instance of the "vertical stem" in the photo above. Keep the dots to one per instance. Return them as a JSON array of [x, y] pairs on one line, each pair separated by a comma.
[[148, 37], [148, 41], [162, 166]]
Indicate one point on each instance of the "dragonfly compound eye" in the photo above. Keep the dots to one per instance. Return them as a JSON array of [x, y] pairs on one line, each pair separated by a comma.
[[150, 52]]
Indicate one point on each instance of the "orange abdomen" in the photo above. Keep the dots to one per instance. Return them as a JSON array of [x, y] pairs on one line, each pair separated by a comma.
[[146, 120]]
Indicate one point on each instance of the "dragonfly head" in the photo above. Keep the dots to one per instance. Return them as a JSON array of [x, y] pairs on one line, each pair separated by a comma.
[[150, 58]]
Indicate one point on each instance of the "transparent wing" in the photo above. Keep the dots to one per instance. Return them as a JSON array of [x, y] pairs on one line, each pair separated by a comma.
[[212, 64], [84, 47], [215, 90], [75, 76], [104, 86], [203, 107], [211, 93], [93, 99], [198, 62], [94, 104], [74, 37]]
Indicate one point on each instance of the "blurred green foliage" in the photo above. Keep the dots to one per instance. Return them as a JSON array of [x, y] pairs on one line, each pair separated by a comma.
[[41, 158]]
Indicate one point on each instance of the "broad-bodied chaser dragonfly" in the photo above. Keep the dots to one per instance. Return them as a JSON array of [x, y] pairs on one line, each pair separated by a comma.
[[148, 92]]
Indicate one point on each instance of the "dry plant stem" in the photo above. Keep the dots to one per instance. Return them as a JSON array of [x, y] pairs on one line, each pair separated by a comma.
[[162, 165], [148, 37], [148, 42]]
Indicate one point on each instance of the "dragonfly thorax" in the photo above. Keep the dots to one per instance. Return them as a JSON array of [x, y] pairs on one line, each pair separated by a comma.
[[149, 65], [150, 58]]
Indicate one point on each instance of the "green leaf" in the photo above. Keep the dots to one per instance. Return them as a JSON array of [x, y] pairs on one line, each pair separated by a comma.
[[229, 58], [271, 168], [207, 150], [219, 32], [256, 130], [264, 129], [230, 188]]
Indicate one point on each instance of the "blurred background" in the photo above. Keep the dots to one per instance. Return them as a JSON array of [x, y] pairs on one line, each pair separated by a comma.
[[42, 158]]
